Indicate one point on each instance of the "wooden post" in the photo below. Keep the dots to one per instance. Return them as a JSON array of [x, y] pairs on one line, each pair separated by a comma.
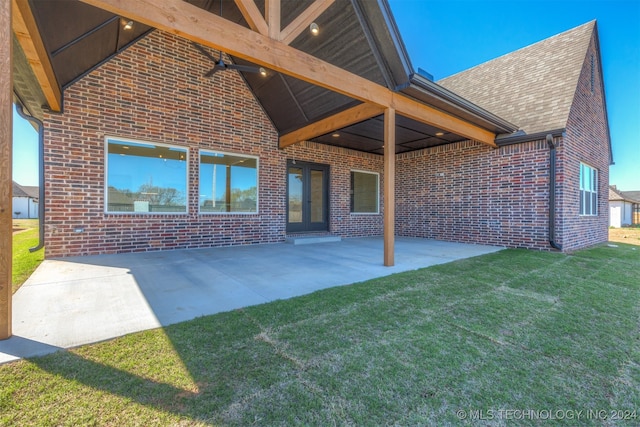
[[6, 159], [389, 185], [272, 12]]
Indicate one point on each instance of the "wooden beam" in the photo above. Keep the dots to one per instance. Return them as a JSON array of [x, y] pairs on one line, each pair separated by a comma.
[[414, 110], [389, 186], [188, 21], [272, 15], [6, 186], [303, 20], [253, 16], [337, 121], [26, 30]]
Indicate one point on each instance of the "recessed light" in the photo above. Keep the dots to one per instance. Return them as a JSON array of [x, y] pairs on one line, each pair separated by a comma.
[[128, 25], [263, 72], [315, 30], [439, 133], [335, 135]]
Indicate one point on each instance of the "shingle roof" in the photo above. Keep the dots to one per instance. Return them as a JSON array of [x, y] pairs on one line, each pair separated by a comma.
[[630, 196], [532, 87], [633, 195], [25, 191]]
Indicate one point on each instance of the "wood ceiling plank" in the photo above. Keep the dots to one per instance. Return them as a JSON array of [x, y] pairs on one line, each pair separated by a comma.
[[252, 15], [337, 121], [190, 22], [26, 31], [304, 20]]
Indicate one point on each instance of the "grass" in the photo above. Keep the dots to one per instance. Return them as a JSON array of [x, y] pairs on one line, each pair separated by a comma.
[[25, 262], [514, 330], [629, 235]]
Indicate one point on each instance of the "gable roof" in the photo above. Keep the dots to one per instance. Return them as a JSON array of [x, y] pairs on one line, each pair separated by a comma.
[[627, 196], [359, 36], [533, 86], [25, 191]]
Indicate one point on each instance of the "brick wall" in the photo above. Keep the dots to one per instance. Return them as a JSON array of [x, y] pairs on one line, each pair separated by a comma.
[[154, 91], [469, 192], [587, 141]]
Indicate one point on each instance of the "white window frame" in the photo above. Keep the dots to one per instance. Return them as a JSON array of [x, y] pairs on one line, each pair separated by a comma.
[[226, 153], [377, 212], [587, 192], [138, 141]]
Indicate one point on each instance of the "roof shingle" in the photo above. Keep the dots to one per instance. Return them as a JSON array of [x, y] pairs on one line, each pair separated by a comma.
[[532, 87]]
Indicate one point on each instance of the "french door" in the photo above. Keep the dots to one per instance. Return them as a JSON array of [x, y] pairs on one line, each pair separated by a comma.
[[307, 196]]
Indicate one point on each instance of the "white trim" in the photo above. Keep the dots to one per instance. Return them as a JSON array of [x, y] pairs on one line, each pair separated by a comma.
[[377, 212], [593, 189], [226, 153], [153, 143]]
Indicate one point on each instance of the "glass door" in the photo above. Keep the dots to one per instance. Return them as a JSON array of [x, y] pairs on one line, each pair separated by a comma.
[[307, 197]]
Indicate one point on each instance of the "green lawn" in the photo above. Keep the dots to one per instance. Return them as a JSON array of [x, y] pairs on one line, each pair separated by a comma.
[[25, 262], [487, 337]]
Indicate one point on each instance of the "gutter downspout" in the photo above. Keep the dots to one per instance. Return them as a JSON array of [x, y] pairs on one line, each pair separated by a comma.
[[552, 193], [32, 119]]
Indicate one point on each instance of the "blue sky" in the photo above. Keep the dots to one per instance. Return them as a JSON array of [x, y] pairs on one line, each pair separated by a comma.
[[448, 36]]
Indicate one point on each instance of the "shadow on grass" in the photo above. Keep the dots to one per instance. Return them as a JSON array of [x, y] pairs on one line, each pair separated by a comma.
[[455, 336]]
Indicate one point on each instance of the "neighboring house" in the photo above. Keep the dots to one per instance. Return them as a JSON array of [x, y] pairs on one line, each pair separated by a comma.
[[149, 150], [624, 207], [25, 201]]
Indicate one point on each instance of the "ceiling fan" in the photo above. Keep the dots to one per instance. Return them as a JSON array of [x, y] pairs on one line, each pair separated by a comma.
[[220, 65]]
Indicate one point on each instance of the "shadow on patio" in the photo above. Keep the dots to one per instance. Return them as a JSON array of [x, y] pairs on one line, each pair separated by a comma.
[[74, 301]]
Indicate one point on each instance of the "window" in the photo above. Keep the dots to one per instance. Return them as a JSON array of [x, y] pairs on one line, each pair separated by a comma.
[[145, 178], [588, 190], [228, 183], [364, 192]]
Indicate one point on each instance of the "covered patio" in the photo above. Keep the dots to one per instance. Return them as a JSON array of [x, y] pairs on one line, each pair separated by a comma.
[[79, 300]]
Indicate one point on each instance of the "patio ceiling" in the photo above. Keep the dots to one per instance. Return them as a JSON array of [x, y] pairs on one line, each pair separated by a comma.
[[356, 36]]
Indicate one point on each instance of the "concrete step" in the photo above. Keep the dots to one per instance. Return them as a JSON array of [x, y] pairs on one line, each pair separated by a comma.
[[308, 240]]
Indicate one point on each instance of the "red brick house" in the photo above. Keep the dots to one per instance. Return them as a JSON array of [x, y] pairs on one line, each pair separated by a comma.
[[147, 151]]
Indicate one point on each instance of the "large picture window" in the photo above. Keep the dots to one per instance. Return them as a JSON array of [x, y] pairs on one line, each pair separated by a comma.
[[588, 190], [145, 178], [228, 183], [364, 192]]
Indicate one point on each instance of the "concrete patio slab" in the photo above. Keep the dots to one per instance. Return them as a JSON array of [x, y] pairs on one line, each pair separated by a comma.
[[74, 301]]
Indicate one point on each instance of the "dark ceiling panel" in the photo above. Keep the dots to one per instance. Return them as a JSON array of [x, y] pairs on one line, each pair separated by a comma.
[[78, 37], [279, 104], [86, 53], [61, 21], [291, 9], [341, 42]]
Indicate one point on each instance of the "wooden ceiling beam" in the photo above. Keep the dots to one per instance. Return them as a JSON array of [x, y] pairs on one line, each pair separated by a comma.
[[337, 121], [272, 15], [412, 109], [26, 30], [253, 16], [304, 20], [195, 24]]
